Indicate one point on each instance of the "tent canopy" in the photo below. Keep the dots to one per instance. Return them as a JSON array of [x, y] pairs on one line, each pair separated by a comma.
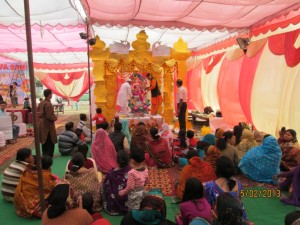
[[56, 25]]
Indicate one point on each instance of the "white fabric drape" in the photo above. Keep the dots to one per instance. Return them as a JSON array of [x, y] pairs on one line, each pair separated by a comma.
[[275, 94], [209, 84]]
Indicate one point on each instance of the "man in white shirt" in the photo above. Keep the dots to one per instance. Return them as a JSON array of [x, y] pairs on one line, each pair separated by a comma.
[[16, 128], [123, 95], [181, 100]]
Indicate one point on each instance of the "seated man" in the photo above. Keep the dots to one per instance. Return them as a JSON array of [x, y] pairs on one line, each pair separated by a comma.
[[68, 140], [82, 125], [16, 128], [12, 174]]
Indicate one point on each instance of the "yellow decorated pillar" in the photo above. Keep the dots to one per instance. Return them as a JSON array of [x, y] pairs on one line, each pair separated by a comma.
[[168, 91], [99, 54], [181, 53]]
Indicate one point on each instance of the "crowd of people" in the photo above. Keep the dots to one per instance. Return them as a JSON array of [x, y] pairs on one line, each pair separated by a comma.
[[115, 176]]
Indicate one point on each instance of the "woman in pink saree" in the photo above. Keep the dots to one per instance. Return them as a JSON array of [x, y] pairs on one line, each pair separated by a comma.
[[103, 152]]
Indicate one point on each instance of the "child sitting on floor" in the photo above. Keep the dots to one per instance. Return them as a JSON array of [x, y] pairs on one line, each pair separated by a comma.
[[99, 118], [137, 179], [193, 141]]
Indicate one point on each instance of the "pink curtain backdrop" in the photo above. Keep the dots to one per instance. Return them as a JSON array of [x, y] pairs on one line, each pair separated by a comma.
[[247, 75], [228, 91], [194, 89], [70, 86]]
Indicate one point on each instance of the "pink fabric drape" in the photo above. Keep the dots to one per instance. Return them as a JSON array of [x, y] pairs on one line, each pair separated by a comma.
[[283, 44], [210, 62], [248, 71], [194, 87], [103, 151], [292, 54], [228, 91]]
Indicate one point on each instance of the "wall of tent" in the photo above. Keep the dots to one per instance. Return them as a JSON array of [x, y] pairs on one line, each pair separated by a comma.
[[261, 86]]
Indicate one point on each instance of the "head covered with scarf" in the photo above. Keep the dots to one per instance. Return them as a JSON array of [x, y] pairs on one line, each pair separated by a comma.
[[152, 208], [57, 200], [229, 211]]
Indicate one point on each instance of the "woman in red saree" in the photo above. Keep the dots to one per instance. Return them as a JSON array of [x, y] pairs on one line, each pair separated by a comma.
[[158, 151]]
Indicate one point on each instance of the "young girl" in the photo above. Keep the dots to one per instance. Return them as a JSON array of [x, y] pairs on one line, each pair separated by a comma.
[[194, 204], [137, 178]]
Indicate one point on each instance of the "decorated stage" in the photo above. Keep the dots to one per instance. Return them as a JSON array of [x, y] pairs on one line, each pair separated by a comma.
[[150, 121]]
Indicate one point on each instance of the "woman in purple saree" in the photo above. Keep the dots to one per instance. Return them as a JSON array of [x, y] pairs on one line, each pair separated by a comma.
[[116, 180]]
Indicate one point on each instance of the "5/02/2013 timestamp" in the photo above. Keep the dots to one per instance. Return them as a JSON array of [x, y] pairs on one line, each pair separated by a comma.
[[249, 193]]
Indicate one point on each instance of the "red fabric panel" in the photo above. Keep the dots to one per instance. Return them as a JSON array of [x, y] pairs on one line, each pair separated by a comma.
[[210, 62], [66, 78], [292, 54], [247, 75], [194, 89], [48, 82], [228, 91], [277, 44]]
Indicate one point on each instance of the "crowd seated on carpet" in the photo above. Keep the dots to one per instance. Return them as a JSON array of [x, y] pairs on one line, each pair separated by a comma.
[[208, 167]]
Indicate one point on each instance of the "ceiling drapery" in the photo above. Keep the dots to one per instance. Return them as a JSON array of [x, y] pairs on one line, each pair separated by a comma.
[[201, 23]]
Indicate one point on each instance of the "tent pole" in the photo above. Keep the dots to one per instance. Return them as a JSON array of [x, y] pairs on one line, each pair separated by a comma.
[[33, 100], [89, 72]]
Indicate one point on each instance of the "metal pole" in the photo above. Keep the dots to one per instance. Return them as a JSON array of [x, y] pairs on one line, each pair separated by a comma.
[[89, 72], [33, 99]]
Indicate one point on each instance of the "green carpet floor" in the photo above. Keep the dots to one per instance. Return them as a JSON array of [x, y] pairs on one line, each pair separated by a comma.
[[261, 211]]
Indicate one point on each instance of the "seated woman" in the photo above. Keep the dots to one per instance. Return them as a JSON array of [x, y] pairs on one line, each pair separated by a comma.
[[27, 198], [57, 213], [237, 132], [212, 153], [117, 137], [116, 179], [293, 218], [194, 204], [292, 184], [224, 183], [290, 151], [152, 210], [262, 162], [247, 142], [228, 211], [181, 144], [227, 148], [197, 169], [167, 134], [86, 201], [140, 137], [104, 152], [158, 153], [84, 180], [88, 162]]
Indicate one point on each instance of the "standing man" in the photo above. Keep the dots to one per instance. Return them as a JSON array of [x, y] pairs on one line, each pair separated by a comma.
[[156, 98], [181, 100], [123, 95], [15, 128], [47, 130]]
